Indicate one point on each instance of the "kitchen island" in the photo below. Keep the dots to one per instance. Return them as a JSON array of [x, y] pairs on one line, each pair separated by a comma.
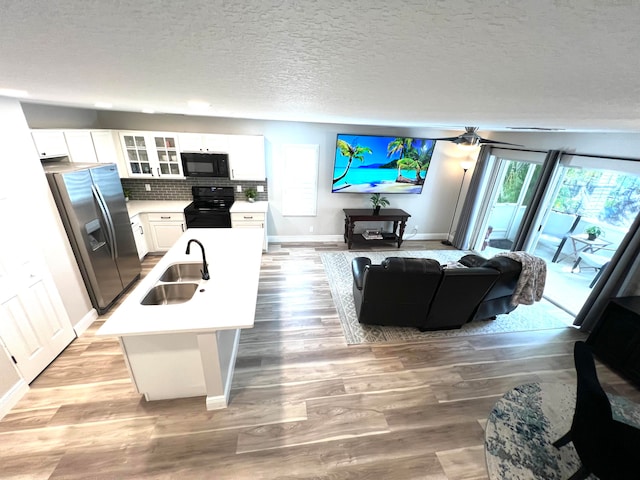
[[188, 349]]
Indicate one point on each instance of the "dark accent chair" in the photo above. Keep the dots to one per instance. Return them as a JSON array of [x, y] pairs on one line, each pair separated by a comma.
[[396, 292], [497, 300], [607, 448]]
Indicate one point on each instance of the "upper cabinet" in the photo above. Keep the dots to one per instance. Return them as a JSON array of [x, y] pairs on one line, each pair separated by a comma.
[[203, 142], [105, 143], [151, 155], [50, 143], [80, 145], [246, 157]]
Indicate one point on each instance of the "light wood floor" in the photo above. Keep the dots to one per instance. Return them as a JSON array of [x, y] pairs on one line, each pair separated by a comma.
[[304, 404]]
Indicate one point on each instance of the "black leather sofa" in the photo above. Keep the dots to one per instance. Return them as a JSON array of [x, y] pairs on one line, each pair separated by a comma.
[[497, 300], [421, 293]]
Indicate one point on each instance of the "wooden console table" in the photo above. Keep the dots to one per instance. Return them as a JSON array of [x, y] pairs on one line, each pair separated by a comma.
[[395, 215]]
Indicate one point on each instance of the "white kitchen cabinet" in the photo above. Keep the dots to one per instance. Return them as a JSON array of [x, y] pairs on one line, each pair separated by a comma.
[[164, 230], [50, 143], [106, 146], [80, 146], [246, 157], [151, 155], [204, 142], [139, 235], [251, 215]]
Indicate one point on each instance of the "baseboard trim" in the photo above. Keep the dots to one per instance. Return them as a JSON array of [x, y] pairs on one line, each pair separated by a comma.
[[85, 322], [12, 397], [340, 238]]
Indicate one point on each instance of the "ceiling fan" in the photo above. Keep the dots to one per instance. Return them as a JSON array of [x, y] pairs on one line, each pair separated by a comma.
[[470, 138]]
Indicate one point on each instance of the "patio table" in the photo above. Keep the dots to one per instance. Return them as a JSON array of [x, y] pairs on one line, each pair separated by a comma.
[[580, 243]]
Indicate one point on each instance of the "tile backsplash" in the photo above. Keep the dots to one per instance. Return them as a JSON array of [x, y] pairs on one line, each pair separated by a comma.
[[181, 189]]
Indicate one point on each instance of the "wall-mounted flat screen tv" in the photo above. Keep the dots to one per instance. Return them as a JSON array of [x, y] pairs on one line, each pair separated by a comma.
[[377, 164]]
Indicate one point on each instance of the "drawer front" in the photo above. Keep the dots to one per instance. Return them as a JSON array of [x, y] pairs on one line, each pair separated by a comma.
[[247, 224], [165, 217], [247, 217]]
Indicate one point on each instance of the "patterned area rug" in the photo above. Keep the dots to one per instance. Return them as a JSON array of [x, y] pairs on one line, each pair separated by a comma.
[[526, 421], [540, 316]]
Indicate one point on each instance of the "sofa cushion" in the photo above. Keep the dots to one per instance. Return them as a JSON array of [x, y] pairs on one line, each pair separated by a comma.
[[472, 260], [410, 265]]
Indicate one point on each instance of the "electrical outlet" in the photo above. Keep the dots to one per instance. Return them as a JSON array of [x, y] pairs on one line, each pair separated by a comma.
[[260, 188], [147, 187], [239, 188], [311, 229]]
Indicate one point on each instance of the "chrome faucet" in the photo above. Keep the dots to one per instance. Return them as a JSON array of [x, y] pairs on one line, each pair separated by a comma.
[[205, 269]]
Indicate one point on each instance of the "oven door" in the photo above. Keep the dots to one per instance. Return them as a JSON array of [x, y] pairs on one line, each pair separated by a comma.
[[207, 218]]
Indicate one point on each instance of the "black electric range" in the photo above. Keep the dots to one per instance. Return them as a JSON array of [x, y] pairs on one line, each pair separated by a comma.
[[210, 207]]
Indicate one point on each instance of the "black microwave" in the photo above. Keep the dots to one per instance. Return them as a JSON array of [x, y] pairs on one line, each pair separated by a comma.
[[205, 164]]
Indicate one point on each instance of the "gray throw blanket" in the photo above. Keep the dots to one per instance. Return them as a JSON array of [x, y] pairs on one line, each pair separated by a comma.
[[532, 278]]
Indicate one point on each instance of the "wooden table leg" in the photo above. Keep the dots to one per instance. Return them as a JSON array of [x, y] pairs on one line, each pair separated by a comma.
[[401, 232], [348, 231], [346, 228]]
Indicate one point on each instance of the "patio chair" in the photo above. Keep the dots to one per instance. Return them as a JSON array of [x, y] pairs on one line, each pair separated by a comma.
[[598, 261], [557, 229]]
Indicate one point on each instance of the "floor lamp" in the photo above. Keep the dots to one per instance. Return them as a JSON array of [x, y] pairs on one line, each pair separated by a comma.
[[466, 165]]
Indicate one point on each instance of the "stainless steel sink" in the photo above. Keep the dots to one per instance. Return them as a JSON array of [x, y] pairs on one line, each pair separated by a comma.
[[170, 293], [182, 272]]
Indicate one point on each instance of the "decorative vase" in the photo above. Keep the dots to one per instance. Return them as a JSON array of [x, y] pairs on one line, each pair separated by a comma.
[[591, 236], [251, 200], [376, 210]]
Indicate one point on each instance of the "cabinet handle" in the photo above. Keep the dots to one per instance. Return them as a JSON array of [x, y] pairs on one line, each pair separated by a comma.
[[141, 230], [165, 218], [248, 218], [158, 169], [182, 225]]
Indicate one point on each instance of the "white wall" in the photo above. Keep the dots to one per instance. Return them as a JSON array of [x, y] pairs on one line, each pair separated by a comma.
[[43, 116], [21, 163], [431, 211]]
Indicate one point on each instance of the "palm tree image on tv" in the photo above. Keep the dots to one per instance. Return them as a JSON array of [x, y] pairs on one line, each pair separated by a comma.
[[391, 164], [351, 152]]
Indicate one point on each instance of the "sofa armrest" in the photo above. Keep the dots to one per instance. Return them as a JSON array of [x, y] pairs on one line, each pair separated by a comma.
[[358, 266], [472, 260]]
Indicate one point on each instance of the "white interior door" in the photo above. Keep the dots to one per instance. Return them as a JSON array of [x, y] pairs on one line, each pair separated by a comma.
[[34, 325]]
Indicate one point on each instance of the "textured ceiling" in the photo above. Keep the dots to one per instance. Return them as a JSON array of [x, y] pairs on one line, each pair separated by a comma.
[[569, 64]]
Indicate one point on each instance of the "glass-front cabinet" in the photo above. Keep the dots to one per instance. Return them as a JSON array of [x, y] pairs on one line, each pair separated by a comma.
[[168, 156], [151, 155]]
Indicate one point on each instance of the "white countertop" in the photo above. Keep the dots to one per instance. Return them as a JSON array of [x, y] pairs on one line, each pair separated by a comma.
[[156, 206], [226, 301], [240, 206]]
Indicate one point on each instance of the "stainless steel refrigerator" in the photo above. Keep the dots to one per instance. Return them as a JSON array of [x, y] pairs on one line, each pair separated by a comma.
[[93, 210]]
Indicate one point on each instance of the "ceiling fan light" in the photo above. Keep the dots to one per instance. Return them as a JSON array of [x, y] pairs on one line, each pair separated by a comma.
[[469, 145]]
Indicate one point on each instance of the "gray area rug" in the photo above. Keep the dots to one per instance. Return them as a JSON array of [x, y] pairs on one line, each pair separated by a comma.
[[526, 421], [540, 316]]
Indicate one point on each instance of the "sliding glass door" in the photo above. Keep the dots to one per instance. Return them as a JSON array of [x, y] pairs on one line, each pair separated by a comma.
[[582, 212], [582, 225], [509, 187]]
